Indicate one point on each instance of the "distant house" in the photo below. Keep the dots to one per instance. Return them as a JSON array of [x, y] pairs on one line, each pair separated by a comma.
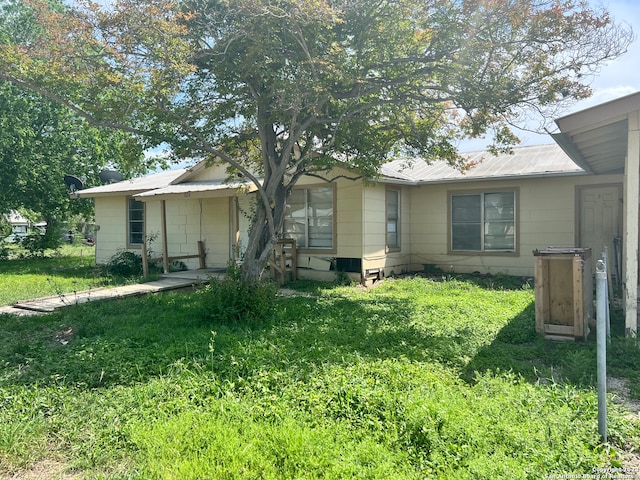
[[19, 226]]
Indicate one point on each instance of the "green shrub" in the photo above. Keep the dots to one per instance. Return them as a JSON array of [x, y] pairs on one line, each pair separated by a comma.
[[230, 300], [125, 264], [36, 243]]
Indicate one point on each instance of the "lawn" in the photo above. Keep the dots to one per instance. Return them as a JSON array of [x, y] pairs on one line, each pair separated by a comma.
[[68, 269], [414, 378]]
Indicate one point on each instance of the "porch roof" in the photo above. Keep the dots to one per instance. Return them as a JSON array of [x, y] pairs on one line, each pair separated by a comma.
[[596, 138], [133, 186], [201, 189]]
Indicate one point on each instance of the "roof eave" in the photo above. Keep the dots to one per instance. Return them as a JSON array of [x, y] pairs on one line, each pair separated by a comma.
[[565, 143], [502, 178]]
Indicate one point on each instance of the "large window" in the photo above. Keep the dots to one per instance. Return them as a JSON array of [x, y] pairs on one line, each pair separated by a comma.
[[309, 219], [483, 222], [393, 219], [135, 222]]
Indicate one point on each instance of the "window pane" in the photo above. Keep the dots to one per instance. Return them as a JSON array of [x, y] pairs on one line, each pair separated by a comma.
[[465, 208], [499, 236], [296, 204], [393, 215], [136, 221], [498, 206], [466, 236], [321, 233]]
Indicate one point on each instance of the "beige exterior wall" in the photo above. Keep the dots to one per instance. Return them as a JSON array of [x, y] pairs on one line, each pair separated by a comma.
[[547, 216], [348, 233], [111, 215], [375, 254], [188, 221], [201, 173]]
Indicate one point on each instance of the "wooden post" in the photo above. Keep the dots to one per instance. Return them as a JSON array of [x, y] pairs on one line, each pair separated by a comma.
[[630, 234], [145, 260], [201, 255], [165, 247]]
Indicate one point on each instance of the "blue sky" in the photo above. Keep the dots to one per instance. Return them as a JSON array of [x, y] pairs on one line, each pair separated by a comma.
[[616, 79]]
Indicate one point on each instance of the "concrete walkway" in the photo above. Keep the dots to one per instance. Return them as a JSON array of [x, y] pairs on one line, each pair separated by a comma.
[[169, 281]]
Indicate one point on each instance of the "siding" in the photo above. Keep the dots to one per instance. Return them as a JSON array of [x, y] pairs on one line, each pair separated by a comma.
[[375, 238], [111, 217], [547, 217]]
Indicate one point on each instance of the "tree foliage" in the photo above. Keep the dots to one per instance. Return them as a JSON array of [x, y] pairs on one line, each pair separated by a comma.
[[41, 140], [281, 88]]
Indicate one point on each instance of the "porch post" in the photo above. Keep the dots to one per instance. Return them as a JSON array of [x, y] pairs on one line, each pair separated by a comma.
[[234, 228], [631, 211], [165, 247]]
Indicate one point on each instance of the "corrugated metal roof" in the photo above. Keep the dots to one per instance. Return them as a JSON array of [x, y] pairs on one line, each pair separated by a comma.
[[135, 185], [531, 161]]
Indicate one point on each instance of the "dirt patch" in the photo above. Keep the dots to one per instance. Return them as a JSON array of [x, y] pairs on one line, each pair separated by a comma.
[[618, 386], [42, 470]]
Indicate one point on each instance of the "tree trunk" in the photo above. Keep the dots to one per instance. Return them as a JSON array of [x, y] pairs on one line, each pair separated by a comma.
[[261, 239]]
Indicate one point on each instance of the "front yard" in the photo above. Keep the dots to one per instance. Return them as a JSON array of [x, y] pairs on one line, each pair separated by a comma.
[[414, 378]]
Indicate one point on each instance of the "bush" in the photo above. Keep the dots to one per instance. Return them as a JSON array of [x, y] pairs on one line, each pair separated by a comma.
[[232, 301], [37, 243], [125, 264]]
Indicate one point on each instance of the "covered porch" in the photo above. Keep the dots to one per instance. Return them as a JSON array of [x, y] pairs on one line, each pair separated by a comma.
[[605, 140]]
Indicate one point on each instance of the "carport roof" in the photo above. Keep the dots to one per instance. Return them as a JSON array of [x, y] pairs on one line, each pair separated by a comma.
[[596, 138]]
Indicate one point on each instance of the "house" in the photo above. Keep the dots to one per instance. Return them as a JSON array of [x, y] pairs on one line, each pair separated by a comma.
[[415, 216], [19, 226], [488, 219]]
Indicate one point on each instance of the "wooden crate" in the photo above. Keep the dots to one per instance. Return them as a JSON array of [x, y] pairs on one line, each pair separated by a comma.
[[563, 292]]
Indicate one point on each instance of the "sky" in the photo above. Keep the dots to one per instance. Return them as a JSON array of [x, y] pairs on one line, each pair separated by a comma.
[[616, 79]]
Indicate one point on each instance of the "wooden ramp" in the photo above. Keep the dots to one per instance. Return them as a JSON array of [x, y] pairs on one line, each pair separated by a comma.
[[54, 302]]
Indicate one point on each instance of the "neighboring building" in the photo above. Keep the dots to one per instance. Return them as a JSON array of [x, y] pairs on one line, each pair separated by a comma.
[[20, 226]]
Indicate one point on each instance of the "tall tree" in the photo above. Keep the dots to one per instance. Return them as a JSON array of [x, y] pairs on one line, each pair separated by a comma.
[[281, 88], [42, 140]]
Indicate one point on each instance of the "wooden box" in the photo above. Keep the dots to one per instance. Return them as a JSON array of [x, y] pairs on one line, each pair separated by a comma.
[[563, 292]]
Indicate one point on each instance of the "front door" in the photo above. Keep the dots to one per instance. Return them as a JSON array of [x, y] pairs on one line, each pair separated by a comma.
[[600, 220]]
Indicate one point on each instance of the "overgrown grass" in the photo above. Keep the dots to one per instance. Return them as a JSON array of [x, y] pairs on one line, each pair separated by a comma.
[[414, 378], [68, 269]]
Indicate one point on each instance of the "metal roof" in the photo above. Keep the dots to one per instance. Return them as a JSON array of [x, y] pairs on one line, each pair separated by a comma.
[[208, 188], [133, 186], [531, 161]]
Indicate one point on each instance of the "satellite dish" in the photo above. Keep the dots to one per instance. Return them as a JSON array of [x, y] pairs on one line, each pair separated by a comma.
[[110, 176], [73, 183]]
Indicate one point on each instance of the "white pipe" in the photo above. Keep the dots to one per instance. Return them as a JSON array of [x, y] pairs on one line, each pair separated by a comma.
[[601, 341]]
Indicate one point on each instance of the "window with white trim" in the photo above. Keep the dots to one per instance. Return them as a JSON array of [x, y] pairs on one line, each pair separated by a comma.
[[393, 219], [483, 222], [135, 222], [309, 217]]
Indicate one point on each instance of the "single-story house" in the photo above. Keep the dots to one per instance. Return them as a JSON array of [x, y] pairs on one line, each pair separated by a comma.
[[488, 219], [19, 226]]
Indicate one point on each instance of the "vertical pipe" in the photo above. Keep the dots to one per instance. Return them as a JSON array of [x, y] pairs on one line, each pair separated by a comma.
[[601, 340]]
